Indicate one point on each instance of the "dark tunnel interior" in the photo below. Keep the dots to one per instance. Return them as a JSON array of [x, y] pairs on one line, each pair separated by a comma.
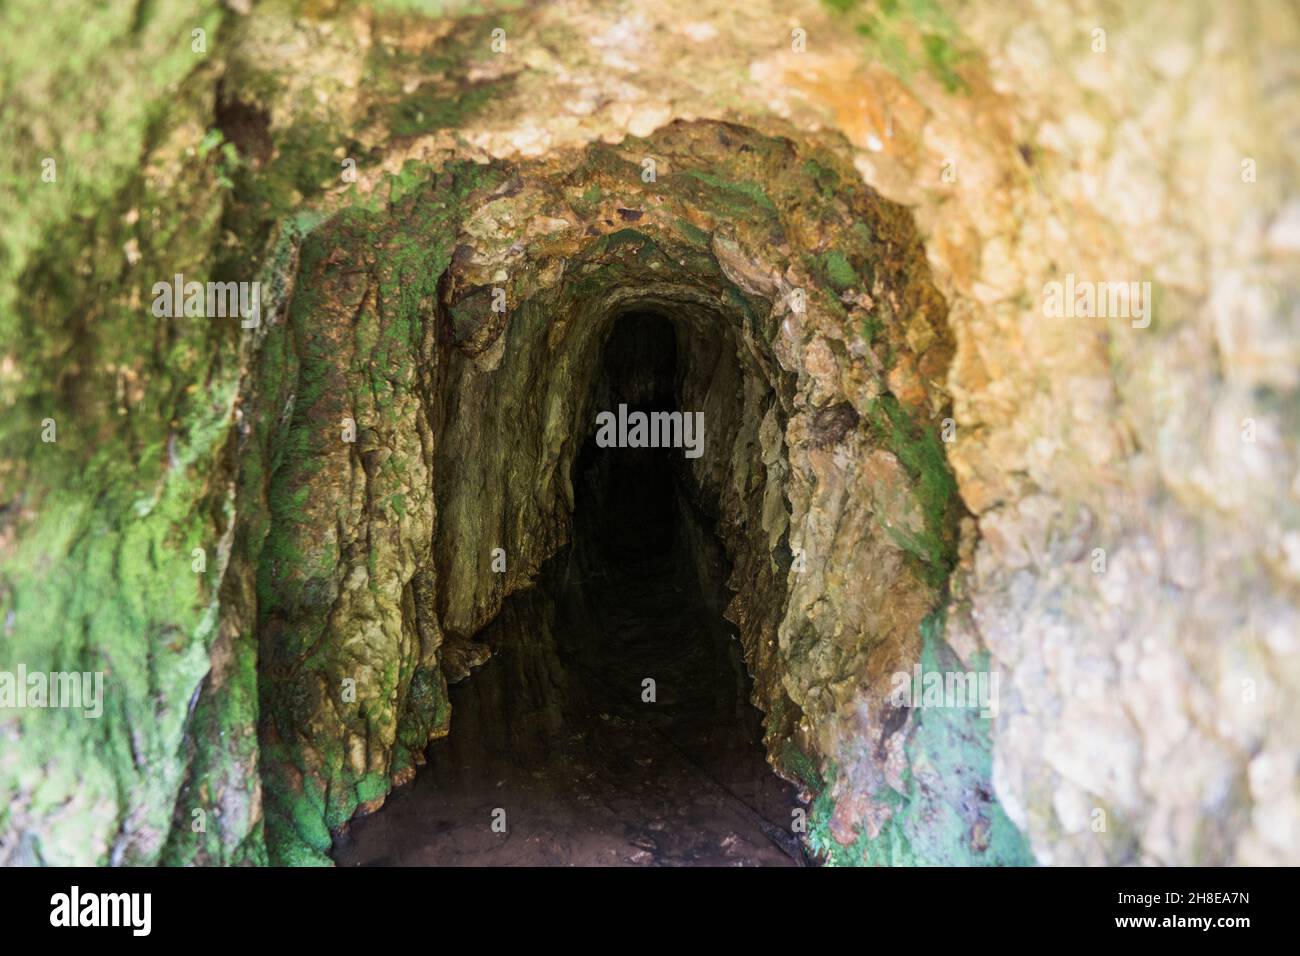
[[612, 724], [626, 498]]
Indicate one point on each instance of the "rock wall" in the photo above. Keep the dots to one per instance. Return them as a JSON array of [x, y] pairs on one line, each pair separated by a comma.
[[1124, 551], [1133, 484]]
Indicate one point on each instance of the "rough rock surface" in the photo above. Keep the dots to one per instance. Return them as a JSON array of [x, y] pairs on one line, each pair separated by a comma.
[[1127, 497]]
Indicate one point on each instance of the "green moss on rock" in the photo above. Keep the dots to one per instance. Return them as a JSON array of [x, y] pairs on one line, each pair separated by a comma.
[[947, 813], [921, 451]]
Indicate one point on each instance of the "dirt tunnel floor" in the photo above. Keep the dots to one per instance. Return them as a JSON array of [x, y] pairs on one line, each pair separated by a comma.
[[553, 730]]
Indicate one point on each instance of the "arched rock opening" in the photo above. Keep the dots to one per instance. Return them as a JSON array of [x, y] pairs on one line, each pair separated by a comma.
[[810, 337]]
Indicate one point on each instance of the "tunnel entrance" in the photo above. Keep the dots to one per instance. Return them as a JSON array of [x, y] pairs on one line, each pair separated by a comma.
[[807, 331], [612, 724]]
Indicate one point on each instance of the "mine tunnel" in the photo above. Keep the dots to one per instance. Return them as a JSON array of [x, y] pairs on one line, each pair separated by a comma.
[[360, 582], [613, 722], [549, 637]]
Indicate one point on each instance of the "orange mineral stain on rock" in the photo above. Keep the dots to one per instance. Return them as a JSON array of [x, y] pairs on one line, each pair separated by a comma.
[[868, 105]]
